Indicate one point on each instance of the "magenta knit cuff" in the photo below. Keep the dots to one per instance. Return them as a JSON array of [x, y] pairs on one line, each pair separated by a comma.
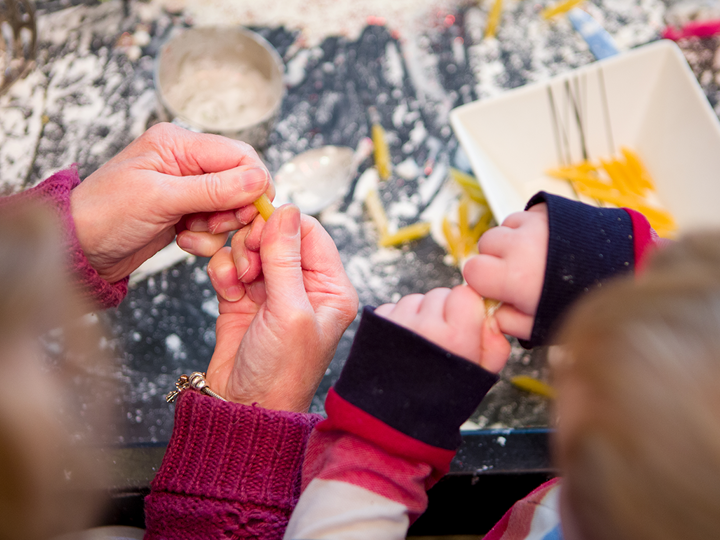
[[55, 193], [236, 466]]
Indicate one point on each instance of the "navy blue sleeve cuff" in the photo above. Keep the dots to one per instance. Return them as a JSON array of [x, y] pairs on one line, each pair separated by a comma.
[[586, 246], [411, 384]]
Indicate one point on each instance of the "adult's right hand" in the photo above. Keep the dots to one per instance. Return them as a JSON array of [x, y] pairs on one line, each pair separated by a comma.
[[281, 320]]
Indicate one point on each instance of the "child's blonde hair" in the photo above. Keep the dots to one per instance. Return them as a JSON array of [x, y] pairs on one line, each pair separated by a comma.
[[639, 384], [48, 485]]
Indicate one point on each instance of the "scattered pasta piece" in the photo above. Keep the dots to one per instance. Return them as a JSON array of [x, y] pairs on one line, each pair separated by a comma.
[[377, 212], [383, 162], [469, 184], [452, 238], [462, 237], [405, 234], [494, 19], [560, 8], [534, 386]]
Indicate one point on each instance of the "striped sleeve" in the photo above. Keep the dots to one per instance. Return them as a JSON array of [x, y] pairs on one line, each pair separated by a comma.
[[586, 247], [535, 517], [393, 427]]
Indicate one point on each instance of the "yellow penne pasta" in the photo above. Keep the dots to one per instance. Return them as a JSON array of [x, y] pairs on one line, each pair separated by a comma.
[[530, 384], [481, 226], [463, 223], [264, 206], [491, 306], [560, 8], [494, 19], [657, 217], [405, 234], [383, 163], [377, 212], [633, 161], [616, 176], [452, 239], [469, 184], [628, 185]]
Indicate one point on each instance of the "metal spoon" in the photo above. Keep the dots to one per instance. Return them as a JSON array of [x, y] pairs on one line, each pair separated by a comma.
[[315, 179]]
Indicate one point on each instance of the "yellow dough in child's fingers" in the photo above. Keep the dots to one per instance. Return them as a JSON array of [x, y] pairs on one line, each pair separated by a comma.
[[491, 306]]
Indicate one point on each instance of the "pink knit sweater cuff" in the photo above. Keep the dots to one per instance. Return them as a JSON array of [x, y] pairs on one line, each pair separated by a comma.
[[233, 452], [55, 194]]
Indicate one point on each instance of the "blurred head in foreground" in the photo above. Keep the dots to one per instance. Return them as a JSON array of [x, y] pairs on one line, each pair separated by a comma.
[[638, 380], [48, 481]]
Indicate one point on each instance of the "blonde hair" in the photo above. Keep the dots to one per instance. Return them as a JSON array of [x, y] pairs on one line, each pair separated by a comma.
[[47, 483], [639, 382]]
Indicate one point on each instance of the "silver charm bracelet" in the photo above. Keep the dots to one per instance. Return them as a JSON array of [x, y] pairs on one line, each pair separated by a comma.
[[197, 381]]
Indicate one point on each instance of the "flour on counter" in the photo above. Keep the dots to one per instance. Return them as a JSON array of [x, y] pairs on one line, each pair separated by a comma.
[[318, 20]]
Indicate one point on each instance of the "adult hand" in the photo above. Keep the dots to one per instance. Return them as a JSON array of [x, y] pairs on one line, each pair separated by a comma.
[[455, 320], [511, 268], [168, 179], [281, 321]]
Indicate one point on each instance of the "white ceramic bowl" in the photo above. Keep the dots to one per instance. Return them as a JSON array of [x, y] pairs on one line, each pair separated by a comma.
[[647, 99]]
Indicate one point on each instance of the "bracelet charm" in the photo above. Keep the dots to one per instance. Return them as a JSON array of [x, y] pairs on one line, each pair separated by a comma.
[[197, 381]]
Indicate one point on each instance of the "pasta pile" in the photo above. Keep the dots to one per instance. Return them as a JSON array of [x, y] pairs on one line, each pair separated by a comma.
[[463, 237], [621, 182]]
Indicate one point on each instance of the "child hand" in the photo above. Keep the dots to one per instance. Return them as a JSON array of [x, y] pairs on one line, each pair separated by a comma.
[[511, 268], [455, 320]]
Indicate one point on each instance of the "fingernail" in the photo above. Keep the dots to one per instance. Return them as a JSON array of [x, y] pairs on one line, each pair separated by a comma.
[[185, 242], [242, 265], [197, 225], [255, 180], [218, 223], [493, 325], [233, 294], [290, 223]]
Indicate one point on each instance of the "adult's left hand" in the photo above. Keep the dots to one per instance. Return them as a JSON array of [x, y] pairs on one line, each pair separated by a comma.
[[168, 180]]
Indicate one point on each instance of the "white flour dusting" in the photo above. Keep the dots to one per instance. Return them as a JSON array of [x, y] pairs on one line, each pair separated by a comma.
[[318, 20]]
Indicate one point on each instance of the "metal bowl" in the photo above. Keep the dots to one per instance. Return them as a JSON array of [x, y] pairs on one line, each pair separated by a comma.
[[225, 80]]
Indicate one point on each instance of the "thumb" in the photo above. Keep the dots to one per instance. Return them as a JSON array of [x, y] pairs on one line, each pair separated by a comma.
[[214, 191], [495, 347], [280, 257]]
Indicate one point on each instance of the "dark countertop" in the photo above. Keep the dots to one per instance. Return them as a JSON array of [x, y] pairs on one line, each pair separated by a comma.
[[87, 100]]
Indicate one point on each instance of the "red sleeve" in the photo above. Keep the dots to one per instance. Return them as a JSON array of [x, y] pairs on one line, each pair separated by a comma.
[[54, 193], [394, 415], [231, 471], [645, 239]]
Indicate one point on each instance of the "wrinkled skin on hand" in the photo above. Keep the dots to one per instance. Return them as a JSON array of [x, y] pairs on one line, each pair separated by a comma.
[[284, 301], [168, 180]]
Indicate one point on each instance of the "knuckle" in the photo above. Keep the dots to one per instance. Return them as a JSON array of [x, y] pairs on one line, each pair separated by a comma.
[[214, 189], [237, 241], [159, 132], [245, 148], [303, 321]]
